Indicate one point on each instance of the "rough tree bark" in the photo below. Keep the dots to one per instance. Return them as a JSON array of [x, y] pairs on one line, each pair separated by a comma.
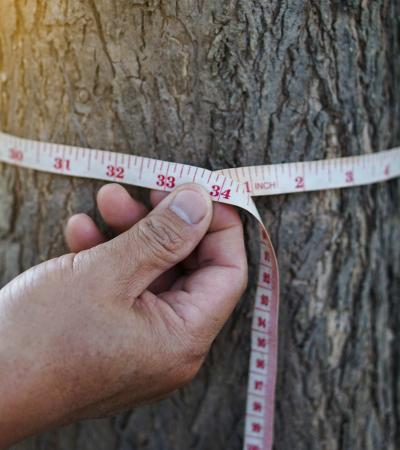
[[223, 83]]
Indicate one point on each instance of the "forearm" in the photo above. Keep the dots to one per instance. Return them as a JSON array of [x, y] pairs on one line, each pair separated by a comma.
[[29, 402]]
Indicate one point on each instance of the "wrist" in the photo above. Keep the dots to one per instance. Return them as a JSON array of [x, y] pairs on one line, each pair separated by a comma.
[[29, 404]]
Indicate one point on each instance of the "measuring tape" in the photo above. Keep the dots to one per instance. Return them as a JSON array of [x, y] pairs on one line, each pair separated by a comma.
[[235, 187]]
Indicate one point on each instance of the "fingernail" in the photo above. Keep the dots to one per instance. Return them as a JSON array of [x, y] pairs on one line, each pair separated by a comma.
[[190, 206]]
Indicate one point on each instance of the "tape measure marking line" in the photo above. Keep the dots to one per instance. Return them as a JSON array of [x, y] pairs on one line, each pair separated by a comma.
[[262, 370], [259, 411], [319, 175]]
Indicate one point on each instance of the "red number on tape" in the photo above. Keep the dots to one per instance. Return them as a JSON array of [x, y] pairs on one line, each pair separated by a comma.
[[60, 163], [300, 182], [261, 342], [226, 194], [257, 406], [215, 191], [260, 363], [117, 172], [387, 170], [16, 155], [349, 177], [169, 182], [161, 180], [258, 385], [262, 322]]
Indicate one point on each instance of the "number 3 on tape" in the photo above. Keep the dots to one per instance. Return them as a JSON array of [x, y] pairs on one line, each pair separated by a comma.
[[232, 186]]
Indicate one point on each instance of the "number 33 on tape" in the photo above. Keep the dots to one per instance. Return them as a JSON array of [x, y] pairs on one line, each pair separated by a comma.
[[232, 186]]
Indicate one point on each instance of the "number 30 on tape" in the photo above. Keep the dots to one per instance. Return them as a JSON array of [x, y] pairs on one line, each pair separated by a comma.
[[235, 187]]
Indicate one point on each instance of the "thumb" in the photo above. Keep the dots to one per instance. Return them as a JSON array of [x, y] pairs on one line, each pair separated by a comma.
[[161, 240]]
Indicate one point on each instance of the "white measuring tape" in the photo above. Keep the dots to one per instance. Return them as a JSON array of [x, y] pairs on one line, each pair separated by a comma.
[[235, 187]]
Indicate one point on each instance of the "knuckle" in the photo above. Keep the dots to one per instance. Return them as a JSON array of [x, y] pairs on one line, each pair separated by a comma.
[[61, 267], [162, 238]]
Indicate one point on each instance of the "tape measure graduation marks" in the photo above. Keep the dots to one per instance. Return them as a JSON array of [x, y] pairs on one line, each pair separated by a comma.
[[235, 187]]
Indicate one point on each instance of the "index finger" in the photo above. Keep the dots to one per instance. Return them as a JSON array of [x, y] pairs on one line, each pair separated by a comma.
[[207, 297]]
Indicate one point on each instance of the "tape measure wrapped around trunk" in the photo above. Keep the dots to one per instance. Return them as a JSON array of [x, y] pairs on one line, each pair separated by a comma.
[[233, 186]]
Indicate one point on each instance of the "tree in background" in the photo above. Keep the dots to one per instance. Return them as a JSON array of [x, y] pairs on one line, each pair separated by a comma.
[[217, 84]]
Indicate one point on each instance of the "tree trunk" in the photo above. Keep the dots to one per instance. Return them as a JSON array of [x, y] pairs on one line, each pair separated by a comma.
[[219, 84]]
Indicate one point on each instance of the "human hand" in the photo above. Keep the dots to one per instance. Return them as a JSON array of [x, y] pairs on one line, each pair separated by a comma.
[[119, 323]]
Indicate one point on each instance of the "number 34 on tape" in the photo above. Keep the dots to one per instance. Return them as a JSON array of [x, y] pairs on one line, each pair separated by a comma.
[[233, 186]]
